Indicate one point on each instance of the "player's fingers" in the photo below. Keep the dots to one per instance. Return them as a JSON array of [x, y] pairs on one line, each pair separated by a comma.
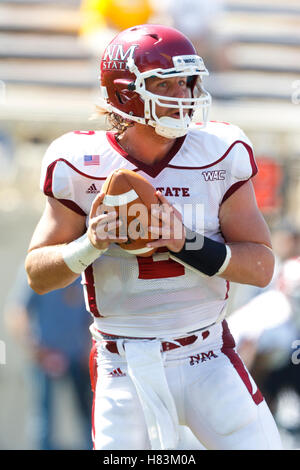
[[167, 220], [162, 213], [165, 204], [111, 227], [100, 223], [168, 232], [168, 217], [95, 204], [104, 209], [118, 240], [104, 218], [177, 229], [158, 243], [162, 198], [155, 232], [109, 231]]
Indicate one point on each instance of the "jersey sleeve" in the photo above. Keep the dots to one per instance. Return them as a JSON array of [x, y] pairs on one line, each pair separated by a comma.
[[240, 163], [57, 176]]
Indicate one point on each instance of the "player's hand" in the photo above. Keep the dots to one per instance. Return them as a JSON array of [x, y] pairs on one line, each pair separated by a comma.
[[167, 225], [103, 224]]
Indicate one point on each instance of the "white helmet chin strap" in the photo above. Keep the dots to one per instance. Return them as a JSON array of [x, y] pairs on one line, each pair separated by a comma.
[[170, 127]]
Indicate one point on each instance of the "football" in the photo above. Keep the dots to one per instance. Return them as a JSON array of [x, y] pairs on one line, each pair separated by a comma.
[[131, 196]]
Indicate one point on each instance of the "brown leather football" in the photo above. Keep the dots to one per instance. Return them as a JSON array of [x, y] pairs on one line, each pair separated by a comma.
[[131, 196]]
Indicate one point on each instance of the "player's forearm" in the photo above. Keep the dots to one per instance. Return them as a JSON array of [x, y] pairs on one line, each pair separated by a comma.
[[47, 271], [250, 263], [242, 262]]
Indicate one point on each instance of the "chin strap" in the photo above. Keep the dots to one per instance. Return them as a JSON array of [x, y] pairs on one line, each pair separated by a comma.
[[168, 127]]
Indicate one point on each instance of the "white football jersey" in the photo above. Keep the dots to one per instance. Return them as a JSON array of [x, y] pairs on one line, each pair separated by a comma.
[[155, 296]]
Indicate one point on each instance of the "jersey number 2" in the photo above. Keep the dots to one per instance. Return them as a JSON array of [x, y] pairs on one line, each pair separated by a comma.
[[151, 269]]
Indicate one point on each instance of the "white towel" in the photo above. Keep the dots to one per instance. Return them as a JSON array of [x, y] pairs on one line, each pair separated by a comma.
[[145, 367]]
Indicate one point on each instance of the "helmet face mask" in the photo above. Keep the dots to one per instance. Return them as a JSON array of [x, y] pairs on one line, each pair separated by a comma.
[[124, 89]]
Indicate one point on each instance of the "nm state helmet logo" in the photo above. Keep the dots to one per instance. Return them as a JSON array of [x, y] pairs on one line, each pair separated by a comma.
[[115, 57]]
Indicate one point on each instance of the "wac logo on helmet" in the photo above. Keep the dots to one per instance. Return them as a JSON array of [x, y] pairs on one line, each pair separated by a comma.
[[116, 58]]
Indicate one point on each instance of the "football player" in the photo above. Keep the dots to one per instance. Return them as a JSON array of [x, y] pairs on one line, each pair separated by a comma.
[[162, 349]]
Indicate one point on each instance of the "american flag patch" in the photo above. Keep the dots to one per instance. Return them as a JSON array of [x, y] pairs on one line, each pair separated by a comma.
[[91, 160]]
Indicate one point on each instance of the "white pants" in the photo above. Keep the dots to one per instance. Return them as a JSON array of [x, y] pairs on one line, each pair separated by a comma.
[[213, 392]]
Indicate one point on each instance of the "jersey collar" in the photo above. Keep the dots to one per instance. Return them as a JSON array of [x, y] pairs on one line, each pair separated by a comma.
[[151, 170]]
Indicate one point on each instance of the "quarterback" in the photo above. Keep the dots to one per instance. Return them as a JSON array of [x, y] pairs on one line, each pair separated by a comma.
[[162, 351]]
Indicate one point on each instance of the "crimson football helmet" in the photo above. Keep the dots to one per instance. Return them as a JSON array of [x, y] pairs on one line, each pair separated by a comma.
[[147, 51]]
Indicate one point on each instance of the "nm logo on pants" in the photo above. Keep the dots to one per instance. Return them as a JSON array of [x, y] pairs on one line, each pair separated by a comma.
[[202, 357]]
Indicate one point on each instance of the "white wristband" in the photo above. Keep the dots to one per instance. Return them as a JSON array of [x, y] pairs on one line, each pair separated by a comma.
[[80, 253], [226, 261]]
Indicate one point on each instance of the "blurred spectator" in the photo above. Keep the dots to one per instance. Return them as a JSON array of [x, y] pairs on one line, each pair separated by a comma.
[[103, 19], [197, 19], [265, 331], [7, 161], [286, 244], [285, 240], [53, 329]]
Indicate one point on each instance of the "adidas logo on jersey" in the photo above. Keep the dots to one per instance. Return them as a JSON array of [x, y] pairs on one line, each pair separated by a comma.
[[92, 189], [117, 373]]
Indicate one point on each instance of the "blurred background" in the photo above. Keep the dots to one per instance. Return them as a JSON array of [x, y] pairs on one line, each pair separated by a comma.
[[49, 67]]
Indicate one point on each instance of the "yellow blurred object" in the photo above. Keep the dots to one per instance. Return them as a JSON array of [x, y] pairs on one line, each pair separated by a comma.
[[115, 14]]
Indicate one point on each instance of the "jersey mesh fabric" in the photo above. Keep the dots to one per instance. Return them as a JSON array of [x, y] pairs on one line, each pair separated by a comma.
[[208, 166]]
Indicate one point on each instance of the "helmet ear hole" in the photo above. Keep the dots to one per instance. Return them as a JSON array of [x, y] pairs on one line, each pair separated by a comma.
[[131, 86], [119, 97], [123, 96], [154, 36]]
